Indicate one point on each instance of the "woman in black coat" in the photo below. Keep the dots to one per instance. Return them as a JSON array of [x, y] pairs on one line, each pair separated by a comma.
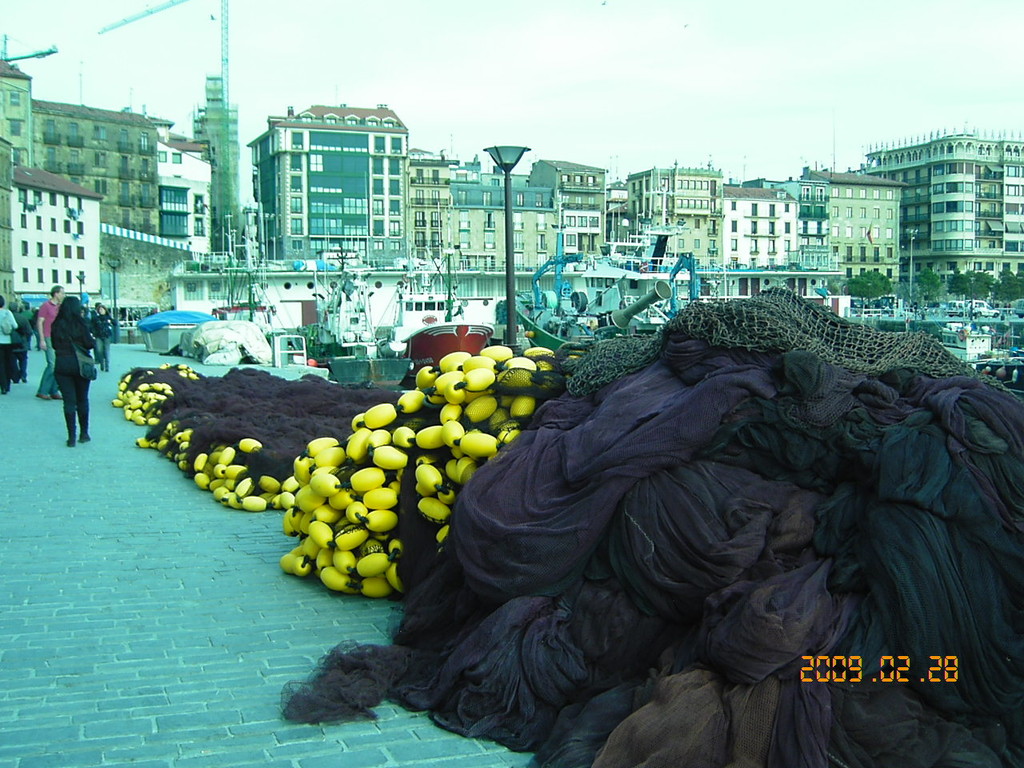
[[69, 329]]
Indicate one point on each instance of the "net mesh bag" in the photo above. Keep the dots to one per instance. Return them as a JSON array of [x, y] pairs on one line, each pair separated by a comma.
[[776, 320]]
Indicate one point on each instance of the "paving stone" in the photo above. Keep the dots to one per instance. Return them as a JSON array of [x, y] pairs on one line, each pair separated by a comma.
[[150, 626]]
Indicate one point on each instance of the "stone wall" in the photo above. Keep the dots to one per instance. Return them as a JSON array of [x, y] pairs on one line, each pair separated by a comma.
[[143, 276]]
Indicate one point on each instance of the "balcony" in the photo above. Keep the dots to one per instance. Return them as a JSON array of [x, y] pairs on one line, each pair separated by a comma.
[[76, 140], [125, 173], [76, 169], [53, 166], [125, 201], [145, 175], [147, 202], [989, 196], [124, 147], [989, 175], [989, 214]]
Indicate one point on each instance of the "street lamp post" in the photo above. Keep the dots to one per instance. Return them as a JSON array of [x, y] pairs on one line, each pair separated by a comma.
[[115, 264], [506, 159], [81, 286]]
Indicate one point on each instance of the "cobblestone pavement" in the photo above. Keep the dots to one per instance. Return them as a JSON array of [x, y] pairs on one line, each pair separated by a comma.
[[143, 624]]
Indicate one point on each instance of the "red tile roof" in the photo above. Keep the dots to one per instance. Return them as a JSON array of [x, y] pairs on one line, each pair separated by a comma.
[[9, 70], [36, 178], [756, 193], [90, 113]]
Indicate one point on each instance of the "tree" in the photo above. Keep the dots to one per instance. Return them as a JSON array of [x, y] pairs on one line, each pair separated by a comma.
[[869, 285], [1009, 288], [972, 285], [928, 285]]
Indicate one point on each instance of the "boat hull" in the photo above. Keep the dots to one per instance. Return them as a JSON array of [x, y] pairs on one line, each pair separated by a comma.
[[427, 345], [382, 372]]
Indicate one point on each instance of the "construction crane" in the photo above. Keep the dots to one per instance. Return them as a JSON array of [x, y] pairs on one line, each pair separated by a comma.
[[222, 147], [34, 55], [170, 4]]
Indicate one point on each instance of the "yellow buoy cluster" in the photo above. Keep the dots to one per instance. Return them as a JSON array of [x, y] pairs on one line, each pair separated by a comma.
[[220, 469], [144, 404], [343, 500], [346, 510]]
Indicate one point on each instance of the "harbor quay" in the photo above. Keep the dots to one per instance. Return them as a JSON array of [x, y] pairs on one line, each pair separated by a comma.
[[143, 624]]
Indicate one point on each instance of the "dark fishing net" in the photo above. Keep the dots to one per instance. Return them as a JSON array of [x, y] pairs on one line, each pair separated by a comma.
[[246, 402], [638, 579], [776, 320]]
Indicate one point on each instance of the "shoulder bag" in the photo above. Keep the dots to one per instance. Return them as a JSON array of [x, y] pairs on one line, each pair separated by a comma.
[[86, 365]]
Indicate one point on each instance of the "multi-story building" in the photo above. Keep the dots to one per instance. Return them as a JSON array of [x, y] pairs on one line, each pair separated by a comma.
[[761, 227], [6, 181], [56, 234], [963, 206], [333, 179], [813, 250], [687, 201], [113, 153], [184, 177], [478, 202], [16, 112], [579, 199], [429, 207], [864, 221]]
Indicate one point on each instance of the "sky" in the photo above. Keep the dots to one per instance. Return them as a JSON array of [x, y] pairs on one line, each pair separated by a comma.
[[755, 88]]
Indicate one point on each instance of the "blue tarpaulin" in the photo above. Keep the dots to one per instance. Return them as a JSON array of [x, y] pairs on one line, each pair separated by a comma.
[[172, 317]]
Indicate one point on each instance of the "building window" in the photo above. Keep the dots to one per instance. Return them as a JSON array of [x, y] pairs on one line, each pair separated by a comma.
[[295, 204], [396, 145], [295, 183], [379, 144], [298, 140], [295, 226], [316, 163], [176, 158], [173, 224]]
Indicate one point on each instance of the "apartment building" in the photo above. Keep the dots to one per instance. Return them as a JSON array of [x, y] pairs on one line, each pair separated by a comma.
[[760, 225], [813, 249], [16, 113], [686, 201], [184, 179], [864, 222], [6, 188], [333, 178], [429, 208], [55, 234], [113, 153], [962, 208], [579, 192], [478, 203]]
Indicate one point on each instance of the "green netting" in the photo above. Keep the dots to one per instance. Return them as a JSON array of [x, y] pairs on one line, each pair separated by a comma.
[[776, 320]]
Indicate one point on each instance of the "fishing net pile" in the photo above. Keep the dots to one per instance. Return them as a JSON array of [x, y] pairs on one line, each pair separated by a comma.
[[728, 546]]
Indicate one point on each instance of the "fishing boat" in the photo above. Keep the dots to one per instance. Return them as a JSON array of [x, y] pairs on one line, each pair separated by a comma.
[[432, 320], [599, 299], [1008, 370]]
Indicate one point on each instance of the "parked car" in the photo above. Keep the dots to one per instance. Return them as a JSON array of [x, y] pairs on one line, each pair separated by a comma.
[[1018, 307], [976, 308]]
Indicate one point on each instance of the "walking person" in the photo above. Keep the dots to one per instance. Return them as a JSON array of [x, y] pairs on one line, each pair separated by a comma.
[[69, 329], [102, 327], [8, 326], [44, 322], [23, 314]]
